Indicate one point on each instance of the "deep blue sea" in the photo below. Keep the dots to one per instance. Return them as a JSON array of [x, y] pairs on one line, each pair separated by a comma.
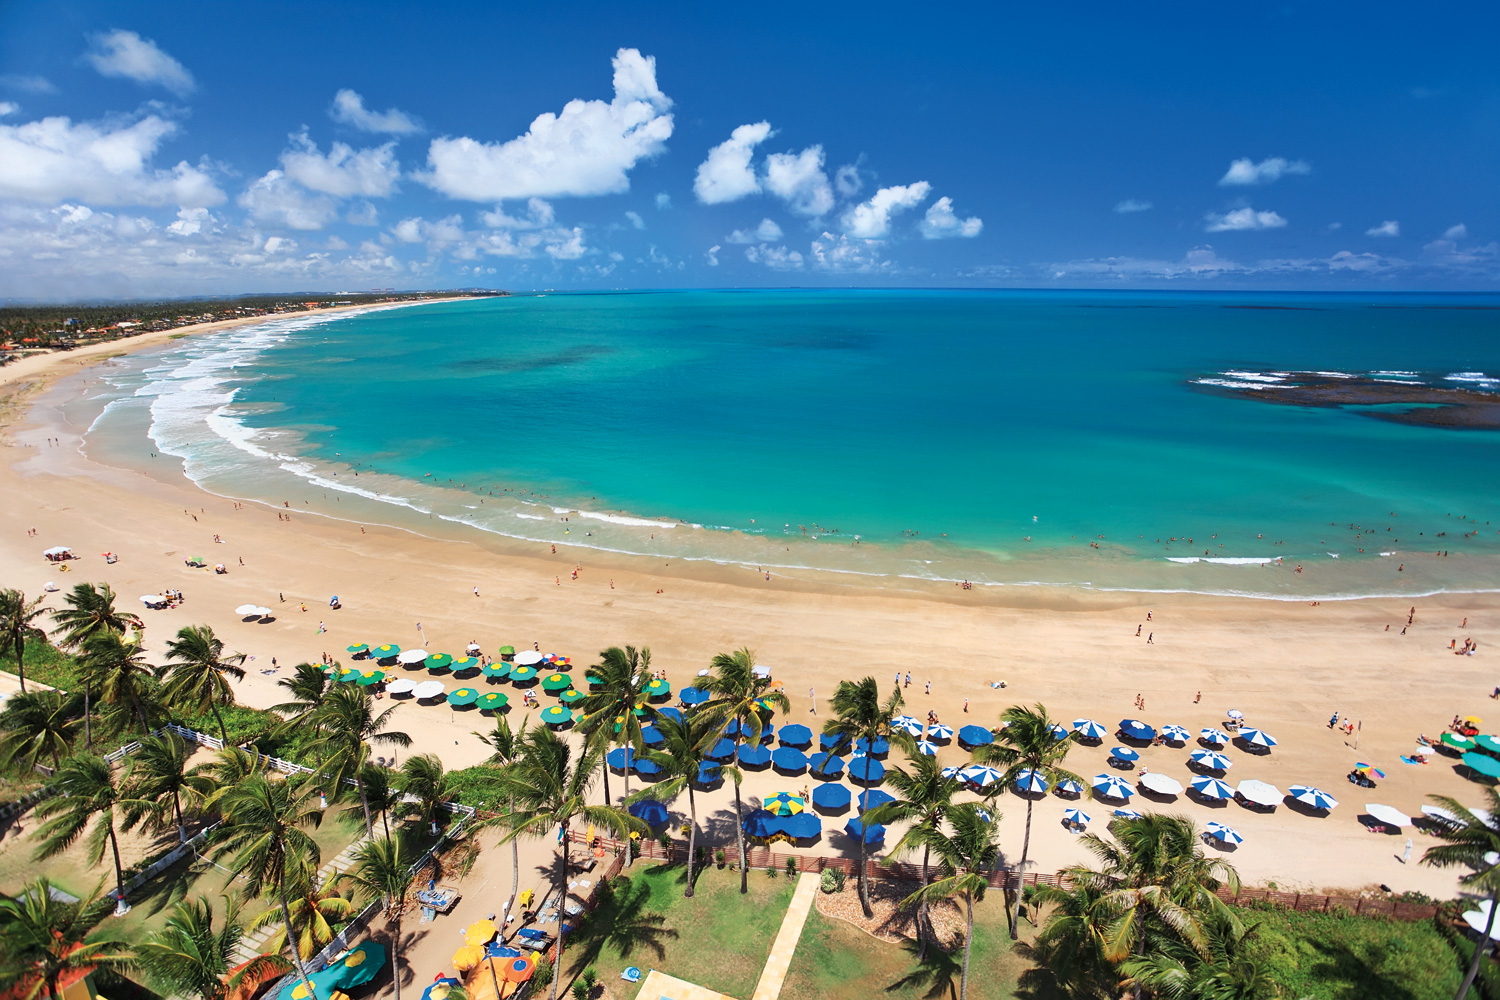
[[995, 437]]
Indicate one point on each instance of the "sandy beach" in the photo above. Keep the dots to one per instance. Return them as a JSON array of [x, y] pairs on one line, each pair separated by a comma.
[[1287, 666]]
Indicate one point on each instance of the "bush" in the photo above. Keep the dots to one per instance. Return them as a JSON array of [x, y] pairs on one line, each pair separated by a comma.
[[542, 977], [770, 871], [719, 857], [581, 990], [791, 867], [476, 786], [832, 880]]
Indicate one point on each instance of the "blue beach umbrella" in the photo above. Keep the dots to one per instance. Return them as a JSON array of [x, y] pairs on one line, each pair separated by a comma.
[[831, 796], [1137, 730], [873, 798], [939, 733], [651, 736], [1223, 834], [646, 768], [1112, 786], [881, 747], [1127, 814], [620, 758], [754, 755], [866, 769], [1212, 789], [440, 988], [1482, 763], [1211, 759], [1059, 732], [650, 812], [708, 774], [693, 696], [761, 823], [675, 714], [722, 750], [795, 736], [1088, 729], [975, 736], [1031, 781], [826, 765], [1123, 753], [927, 749], [829, 741], [1076, 817], [803, 826], [784, 804], [788, 759], [872, 835], [949, 772], [1314, 797], [981, 775], [1175, 734]]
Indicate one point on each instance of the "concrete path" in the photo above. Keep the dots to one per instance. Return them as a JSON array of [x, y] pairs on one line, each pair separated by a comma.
[[780, 958]]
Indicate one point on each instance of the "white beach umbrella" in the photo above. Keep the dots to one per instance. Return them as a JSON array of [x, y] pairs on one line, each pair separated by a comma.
[[1257, 737], [1315, 797], [427, 689], [1387, 814], [1215, 736], [1161, 784], [1212, 788], [1211, 759], [401, 685], [528, 657], [1478, 918], [1176, 734], [1260, 792], [153, 599], [1235, 713], [1112, 786], [411, 656], [938, 731], [1442, 815], [247, 609], [907, 725], [57, 550], [1089, 729], [264, 612], [761, 671], [949, 772], [1076, 817], [1223, 834]]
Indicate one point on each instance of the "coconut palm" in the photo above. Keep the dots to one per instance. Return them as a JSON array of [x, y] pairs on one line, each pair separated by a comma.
[[309, 686], [117, 668], [1173, 971], [163, 781], [507, 744], [422, 778], [92, 799], [683, 754], [189, 956], [1070, 944], [1470, 841], [35, 725], [967, 855], [1026, 741], [91, 611], [18, 618], [226, 770], [860, 714], [382, 870], [45, 939], [347, 724], [198, 678], [739, 696], [380, 791], [315, 906], [549, 785], [264, 837], [622, 678], [923, 799]]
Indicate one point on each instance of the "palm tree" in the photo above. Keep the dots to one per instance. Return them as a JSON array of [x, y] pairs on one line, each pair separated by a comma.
[[315, 906], [163, 780], [1470, 842], [188, 956], [1070, 945], [46, 939], [507, 745], [347, 724], [423, 778], [264, 836], [549, 787], [683, 754], [622, 678], [382, 871], [91, 611], [35, 724], [380, 792], [90, 792], [860, 714], [309, 686], [1172, 970], [923, 799], [18, 626], [199, 676], [1026, 741], [741, 697], [226, 770], [968, 855], [117, 667]]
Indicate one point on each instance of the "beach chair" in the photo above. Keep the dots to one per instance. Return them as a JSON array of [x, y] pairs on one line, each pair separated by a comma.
[[631, 975]]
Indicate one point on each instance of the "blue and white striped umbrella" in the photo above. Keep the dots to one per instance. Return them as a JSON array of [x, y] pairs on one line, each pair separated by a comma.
[[1088, 729], [1257, 737], [981, 775], [1137, 730], [927, 748], [1212, 788], [1315, 797], [938, 731], [1076, 816], [1176, 734], [1223, 834], [1030, 780], [1112, 786], [1123, 753], [1059, 731], [1211, 759], [907, 724], [1215, 736], [1068, 786], [1127, 814], [949, 772]]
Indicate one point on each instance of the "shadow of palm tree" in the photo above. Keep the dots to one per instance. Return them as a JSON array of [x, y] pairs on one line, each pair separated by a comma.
[[622, 923], [938, 973]]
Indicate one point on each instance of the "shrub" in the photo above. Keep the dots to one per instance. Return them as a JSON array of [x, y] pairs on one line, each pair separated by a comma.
[[770, 871], [590, 977], [581, 990], [542, 977], [719, 857], [832, 880], [791, 867], [476, 786]]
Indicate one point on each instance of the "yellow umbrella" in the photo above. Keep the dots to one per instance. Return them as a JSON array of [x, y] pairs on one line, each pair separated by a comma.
[[468, 956], [1473, 720], [480, 932]]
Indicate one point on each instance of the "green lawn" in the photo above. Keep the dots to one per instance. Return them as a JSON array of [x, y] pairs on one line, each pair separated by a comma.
[[718, 939]]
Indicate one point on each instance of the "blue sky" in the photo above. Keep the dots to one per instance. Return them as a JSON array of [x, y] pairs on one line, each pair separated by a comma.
[[175, 148]]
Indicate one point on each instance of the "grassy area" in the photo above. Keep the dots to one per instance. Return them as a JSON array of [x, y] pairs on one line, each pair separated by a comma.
[[718, 939]]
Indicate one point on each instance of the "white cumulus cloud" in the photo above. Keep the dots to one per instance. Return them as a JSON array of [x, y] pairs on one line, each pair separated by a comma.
[[799, 180], [663, 200], [125, 54], [767, 231], [1458, 232], [712, 255], [1242, 218], [273, 200], [566, 245], [726, 174], [1390, 227], [587, 149], [847, 180], [941, 221], [539, 215], [634, 218], [344, 172], [8, 108], [1247, 171], [776, 258], [1130, 205], [349, 109], [871, 220], [841, 253]]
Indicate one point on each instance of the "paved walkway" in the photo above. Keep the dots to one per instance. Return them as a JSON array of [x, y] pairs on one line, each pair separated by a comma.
[[660, 986], [780, 958]]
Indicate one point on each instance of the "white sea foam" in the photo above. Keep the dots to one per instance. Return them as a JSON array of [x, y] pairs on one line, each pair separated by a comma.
[[1334, 374], [634, 522], [1226, 560], [1478, 378], [1255, 376], [1231, 383]]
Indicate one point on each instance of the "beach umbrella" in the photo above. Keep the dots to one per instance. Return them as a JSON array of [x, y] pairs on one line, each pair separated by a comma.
[[557, 715], [669, 712], [693, 696], [1068, 786], [708, 774], [401, 685], [646, 767], [1211, 759], [1076, 817], [529, 658], [1088, 729], [651, 736], [153, 599], [356, 966], [440, 988], [358, 647], [1161, 784], [1235, 713], [788, 759], [926, 748], [761, 823], [1257, 737], [554, 682], [1212, 788], [826, 765], [1127, 814], [1217, 737], [1315, 797], [658, 688], [803, 826], [881, 747], [828, 741], [1483, 763], [1478, 919], [1112, 786], [1059, 731], [245, 610], [754, 755], [1123, 753], [1387, 815], [785, 804], [427, 689], [480, 931], [866, 768], [722, 750], [458, 666], [795, 736], [981, 775], [1373, 772], [439, 661], [1260, 792], [495, 670], [385, 652], [975, 736], [620, 758], [346, 674], [1458, 742], [872, 834], [463, 696], [506, 651], [939, 733], [571, 696], [831, 796], [1223, 834], [1488, 743], [1029, 780], [650, 812], [949, 772], [907, 725], [409, 657], [1175, 734], [1136, 729], [492, 700], [522, 674], [467, 957], [368, 677]]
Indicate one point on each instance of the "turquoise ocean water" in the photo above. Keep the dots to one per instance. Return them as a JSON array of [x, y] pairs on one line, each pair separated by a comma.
[[993, 437]]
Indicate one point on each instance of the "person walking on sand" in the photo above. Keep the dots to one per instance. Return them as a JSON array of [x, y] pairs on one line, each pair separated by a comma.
[[1197, 697], [812, 694], [1334, 720], [966, 706], [929, 688], [421, 633], [1406, 852], [476, 591], [1151, 639], [321, 629]]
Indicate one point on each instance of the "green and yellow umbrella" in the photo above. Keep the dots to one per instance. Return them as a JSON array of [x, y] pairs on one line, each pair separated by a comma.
[[1458, 742], [467, 663], [555, 682], [358, 647], [498, 669], [463, 696], [785, 804], [492, 700], [368, 677], [571, 696], [594, 680], [556, 715], [523, 674], [384, 652], [345, 674], [438, 662], [507, 651], [658, 688]]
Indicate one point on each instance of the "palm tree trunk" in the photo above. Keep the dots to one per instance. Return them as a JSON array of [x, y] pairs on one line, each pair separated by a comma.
[[630, 751], [140, 713], [515, 863], [692, 839], [562, 905], [364, 800], [396, 955], [924, 916], [384, 825], [21, 662], [864, 885], [963, 977], [739, 832], [181, 826], [607, 800], [88, 729], [1015, 908], [114, 844], [1479, 947], [223, 733], [291, 939]]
